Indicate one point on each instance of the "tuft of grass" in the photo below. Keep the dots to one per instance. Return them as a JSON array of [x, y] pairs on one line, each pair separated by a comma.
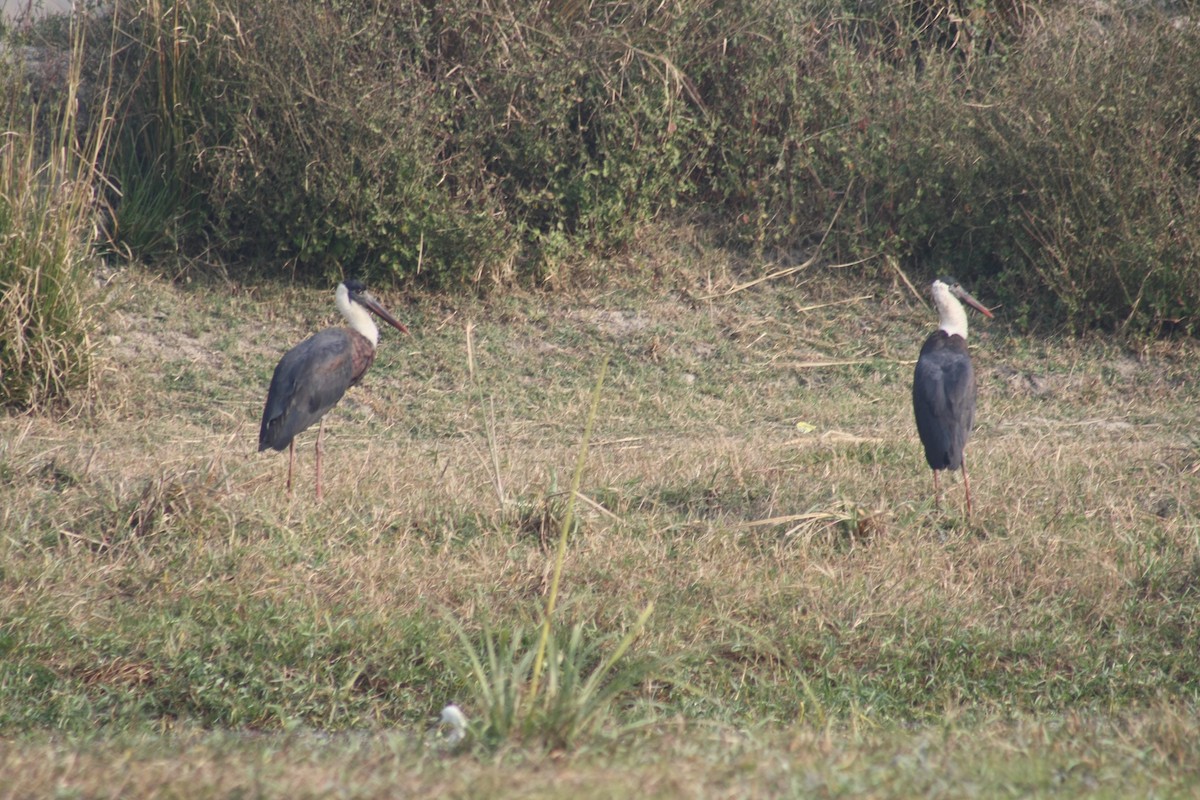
[[48, 192], [554, 688], [571, 698], [160, 55]]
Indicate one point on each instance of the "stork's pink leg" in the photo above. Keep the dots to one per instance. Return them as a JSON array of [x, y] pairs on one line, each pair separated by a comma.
[[320, 451], [966, 484], [937, 493], [291, 463]]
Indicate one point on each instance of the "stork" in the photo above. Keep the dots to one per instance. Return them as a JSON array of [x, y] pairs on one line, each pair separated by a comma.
[[312, 377], [944, 387]]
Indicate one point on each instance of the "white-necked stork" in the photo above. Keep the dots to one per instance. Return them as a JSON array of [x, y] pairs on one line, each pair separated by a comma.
[[312, 377], [944, 387]]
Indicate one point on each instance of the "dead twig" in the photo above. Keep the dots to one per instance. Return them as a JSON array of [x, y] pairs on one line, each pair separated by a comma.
[[818, 364], [895, 265], [845, 302], [812, 516], [783, 273], [593, 504]]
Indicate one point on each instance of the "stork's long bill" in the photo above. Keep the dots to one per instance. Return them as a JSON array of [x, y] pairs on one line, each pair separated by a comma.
[[370, 302], [352, 298], [965, 296]]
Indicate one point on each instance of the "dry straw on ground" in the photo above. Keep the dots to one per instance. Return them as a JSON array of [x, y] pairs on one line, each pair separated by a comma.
[[777, 516]]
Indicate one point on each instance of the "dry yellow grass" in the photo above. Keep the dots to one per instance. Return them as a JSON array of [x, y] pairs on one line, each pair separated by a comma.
[[754, 473]]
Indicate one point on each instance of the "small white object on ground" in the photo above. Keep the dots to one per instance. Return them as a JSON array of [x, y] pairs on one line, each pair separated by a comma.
[[453, 717]]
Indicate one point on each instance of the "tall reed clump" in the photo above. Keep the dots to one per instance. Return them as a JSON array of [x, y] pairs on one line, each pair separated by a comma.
[[162, 57], [554, 683], [48, 182]]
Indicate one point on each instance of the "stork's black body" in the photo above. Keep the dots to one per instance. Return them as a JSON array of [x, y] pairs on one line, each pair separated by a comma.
[[944, 388], [944, 394], [311, 378]]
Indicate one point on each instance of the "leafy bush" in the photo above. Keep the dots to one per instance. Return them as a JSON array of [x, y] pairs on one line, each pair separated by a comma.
[[448, 143], [344, 159], [454, 143], [1039, 158], [1102, 172]]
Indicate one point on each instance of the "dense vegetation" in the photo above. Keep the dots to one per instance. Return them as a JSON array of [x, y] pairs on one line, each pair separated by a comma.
[[668, 523], [1049, 150]]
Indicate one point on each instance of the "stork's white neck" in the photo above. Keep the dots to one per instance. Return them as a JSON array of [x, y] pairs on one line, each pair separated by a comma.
[[357, 316], [951, 312]]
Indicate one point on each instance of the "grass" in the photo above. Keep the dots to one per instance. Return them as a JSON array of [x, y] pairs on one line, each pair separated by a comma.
[[1075, 756], [48, 171], [174, 624]]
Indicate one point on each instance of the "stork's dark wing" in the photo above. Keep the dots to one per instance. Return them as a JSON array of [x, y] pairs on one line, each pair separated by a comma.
[[944, 393], [309, 380]]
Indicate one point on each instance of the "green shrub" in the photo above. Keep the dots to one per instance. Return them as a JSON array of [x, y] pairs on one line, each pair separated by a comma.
[[1102, 173], [448, 144], [453, 143], [331, 149], [1039, 158]]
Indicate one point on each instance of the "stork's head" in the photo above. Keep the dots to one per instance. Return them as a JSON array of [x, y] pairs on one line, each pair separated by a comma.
[[946, 294], [353, 300]]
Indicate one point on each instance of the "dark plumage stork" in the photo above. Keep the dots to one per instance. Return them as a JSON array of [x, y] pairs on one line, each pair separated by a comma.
[[312, 377], [944, 385]]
